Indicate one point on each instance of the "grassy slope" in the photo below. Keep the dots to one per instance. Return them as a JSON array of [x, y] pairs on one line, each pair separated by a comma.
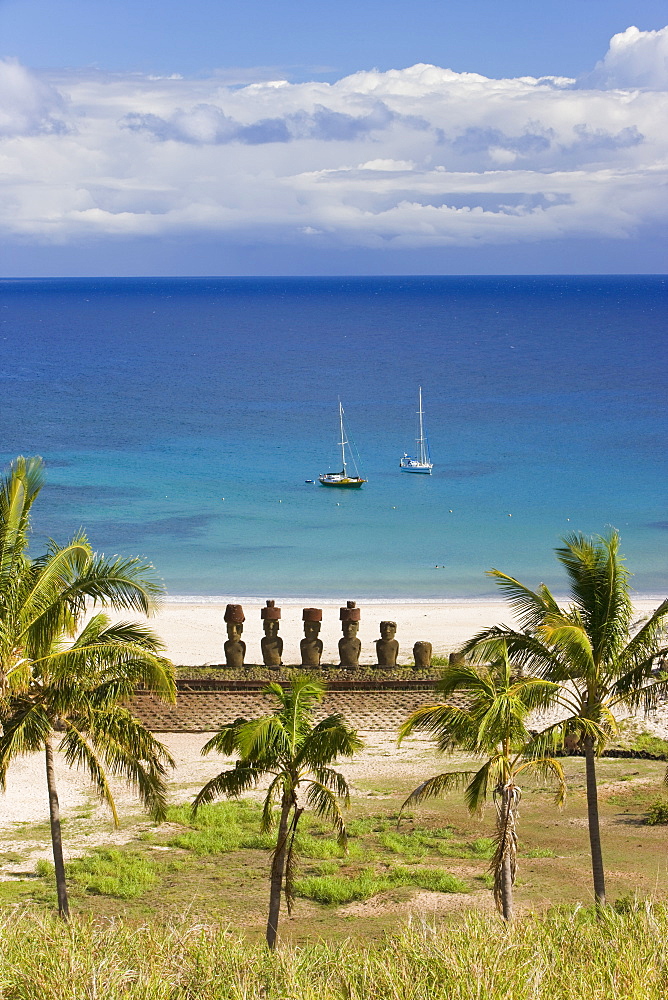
[[562, 956], [217, 868]]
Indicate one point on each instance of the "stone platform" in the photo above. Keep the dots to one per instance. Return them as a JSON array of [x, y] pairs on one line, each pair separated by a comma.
[[205, 705]]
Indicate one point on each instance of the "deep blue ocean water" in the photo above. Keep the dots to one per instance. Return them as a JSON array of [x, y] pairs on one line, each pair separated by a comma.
[[153, 399]]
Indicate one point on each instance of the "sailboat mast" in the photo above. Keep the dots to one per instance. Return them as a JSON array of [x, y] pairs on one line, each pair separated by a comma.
[[421, 448], [343, 440]]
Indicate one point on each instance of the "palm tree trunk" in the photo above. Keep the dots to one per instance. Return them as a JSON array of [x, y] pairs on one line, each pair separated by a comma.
[[504, 860], [507, 890], [594, 826], [277, 870], [56, 838]]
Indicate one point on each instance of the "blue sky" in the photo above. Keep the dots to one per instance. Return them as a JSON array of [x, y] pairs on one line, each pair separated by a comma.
[[356, 137]]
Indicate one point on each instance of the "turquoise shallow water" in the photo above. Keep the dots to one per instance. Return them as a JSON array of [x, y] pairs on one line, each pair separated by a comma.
[[153, 399]]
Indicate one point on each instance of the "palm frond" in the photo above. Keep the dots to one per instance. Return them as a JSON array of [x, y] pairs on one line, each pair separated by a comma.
[[231, 783], [534, 693], [263, 739], [450, 725], [46, 602], [330, 740], [276, 788], [599, 586], [100, 630], [524, 649], [129, 750], [549, 768], [79, 754], [573, 644], [118, 582], [24, 731], [439, 785], [642, 685], [18, 490], [530, 607], [335, 781], [475, 793], [110, 660], [324, 803], [226, 740]]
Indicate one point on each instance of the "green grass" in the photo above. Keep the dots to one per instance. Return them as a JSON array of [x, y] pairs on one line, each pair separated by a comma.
[[565, 955], [646, 743], [339, 889], [219, 828], [107, 872]]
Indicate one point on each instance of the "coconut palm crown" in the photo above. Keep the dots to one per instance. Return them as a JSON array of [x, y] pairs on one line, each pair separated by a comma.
[[493, 725], [295, 754], [602, 660]]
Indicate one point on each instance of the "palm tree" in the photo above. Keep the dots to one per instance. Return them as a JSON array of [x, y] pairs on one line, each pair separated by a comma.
[[50, 680], [75, 690], [601, 659], [492, 726], [296, 755]]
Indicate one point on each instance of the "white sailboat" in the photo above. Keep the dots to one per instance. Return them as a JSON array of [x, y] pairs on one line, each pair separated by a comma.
[[342, 478], [423, 462]]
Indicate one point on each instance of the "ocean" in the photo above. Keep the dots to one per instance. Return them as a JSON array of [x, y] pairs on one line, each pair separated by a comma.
[[180, 418]]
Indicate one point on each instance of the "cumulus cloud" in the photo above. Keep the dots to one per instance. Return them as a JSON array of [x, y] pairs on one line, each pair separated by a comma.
[[635, 59], [421, 156], [28, 105]]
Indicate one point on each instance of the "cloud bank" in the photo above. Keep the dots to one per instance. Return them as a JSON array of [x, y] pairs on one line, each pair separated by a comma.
[[416, 157]]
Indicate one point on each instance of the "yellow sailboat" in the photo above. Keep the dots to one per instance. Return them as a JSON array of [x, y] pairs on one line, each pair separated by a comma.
[[342, 479]]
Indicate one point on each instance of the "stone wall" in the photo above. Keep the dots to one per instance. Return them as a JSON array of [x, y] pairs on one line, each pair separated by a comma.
[[205, 706]]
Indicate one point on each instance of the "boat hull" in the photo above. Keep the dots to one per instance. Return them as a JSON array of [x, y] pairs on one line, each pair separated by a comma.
[[423, 470], [342, 483]]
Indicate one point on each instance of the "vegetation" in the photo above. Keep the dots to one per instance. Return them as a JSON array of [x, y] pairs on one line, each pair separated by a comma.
[[285, 674], [565, 955], [657, 814], [369, 882], [591, 648], [493, 727], [296, 755], [58, 676], [108, 872]]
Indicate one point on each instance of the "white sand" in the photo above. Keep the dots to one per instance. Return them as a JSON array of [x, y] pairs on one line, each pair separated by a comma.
[[194, 633]]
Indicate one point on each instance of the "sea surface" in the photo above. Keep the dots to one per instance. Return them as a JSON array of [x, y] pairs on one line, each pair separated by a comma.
[[180, 418]]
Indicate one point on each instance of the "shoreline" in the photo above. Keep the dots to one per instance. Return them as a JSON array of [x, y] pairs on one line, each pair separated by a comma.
[[194, 631], [310, 601]]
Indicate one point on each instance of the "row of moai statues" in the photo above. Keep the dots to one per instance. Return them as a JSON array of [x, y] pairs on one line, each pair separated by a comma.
[[311, 647]]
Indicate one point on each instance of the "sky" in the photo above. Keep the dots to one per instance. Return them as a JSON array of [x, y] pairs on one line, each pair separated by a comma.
[[303, 137]]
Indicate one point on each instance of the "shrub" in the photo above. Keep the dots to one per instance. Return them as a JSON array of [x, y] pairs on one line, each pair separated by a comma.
[[657, 814]]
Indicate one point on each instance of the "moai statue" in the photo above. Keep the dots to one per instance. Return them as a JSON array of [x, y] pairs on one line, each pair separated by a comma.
[[387, 647], [422, 655], [311, 644], [349, 646], [271, 642], [235, 647]]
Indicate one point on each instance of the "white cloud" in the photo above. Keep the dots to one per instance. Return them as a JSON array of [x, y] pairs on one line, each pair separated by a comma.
[[421, 156], [28, 105], [635, 59]]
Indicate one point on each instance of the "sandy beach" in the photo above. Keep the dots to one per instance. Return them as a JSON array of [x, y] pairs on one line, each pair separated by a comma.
[[194, 633]]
